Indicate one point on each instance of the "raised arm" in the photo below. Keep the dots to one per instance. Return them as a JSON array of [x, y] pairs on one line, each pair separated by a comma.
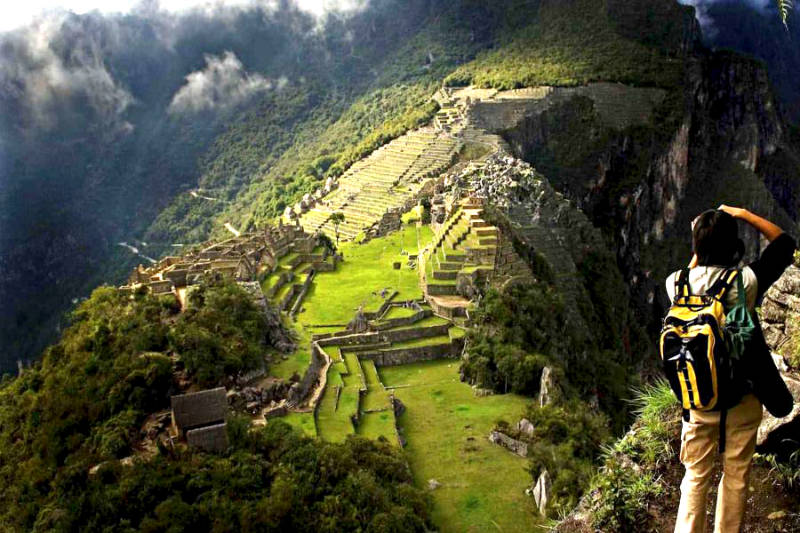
[[769, 230], [775, 257]]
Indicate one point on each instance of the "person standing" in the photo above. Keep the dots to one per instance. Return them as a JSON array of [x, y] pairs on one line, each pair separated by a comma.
[[717, 248]]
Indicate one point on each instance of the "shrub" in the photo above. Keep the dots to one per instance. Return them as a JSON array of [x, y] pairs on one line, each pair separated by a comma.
[[566, 441], [622, 492], [222, 333]]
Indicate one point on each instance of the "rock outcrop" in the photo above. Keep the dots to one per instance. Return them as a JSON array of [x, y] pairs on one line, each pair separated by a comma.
[[780, 313], [525, 427], [780, 317], [514, 445], [549, 389], [715, 140], [541, 492]]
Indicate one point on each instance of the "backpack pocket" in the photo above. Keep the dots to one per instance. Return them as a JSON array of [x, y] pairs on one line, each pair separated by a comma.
[[690, 366]]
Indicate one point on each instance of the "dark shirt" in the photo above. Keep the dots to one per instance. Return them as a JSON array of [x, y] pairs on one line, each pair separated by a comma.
[[775, 258]]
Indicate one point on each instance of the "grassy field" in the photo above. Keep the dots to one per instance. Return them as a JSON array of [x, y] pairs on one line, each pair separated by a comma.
[[378, 424], [302, 421], [446, 427], [334, 297], [334, 421], [376, 396], [398, 312], [367, 269]]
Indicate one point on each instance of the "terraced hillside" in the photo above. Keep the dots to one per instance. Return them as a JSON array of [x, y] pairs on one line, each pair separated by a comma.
[[464, 252], [355, 400], [378, 188]]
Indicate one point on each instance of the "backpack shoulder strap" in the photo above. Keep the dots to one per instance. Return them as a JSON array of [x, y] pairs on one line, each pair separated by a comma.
[[682, 289], [721, 286]]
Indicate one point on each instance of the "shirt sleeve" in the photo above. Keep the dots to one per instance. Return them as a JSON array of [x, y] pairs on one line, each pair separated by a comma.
[[670, 284], [775, 258]]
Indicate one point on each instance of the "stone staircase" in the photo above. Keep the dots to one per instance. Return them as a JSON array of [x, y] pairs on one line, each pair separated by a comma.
[[463, 253], [384, 184]]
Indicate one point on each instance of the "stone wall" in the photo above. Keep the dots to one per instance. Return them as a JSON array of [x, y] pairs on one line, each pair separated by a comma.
[[300, 390], [210, 438], [403, 356], [303, 291], [293, 291], [283, 279], [378, 337], [516, 446], [404, 321]]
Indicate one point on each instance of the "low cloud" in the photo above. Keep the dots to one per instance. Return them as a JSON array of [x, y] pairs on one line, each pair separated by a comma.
[[43, 78], [707, 22], [222, 84]]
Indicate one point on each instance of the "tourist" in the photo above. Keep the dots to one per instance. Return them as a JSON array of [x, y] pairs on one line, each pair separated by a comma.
[[717, 248]]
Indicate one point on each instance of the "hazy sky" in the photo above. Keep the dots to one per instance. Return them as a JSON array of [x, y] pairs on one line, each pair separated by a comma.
[[15, 13]]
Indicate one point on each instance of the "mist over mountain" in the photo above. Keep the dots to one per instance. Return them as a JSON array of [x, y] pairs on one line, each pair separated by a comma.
[[753, 27], [90, 147]]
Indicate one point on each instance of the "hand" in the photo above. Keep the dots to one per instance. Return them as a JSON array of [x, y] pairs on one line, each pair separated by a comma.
[[735, 212]]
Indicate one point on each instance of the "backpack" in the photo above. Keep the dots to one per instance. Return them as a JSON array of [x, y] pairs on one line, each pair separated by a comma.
[[695, 348]]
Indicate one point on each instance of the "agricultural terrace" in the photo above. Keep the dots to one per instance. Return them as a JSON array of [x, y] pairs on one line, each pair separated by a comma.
[[334, 297]]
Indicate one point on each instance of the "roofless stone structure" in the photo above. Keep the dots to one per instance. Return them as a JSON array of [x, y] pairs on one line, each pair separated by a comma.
[[199, 417]]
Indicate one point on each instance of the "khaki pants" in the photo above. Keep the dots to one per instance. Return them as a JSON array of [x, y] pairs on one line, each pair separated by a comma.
[[699, 441]]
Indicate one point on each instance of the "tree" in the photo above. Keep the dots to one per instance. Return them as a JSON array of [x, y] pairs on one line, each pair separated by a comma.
[[336, 219]]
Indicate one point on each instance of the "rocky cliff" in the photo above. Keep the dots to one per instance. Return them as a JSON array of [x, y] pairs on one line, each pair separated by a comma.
[[642, 180]]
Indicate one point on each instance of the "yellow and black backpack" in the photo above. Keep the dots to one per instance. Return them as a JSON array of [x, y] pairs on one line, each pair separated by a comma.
[[694, 351]]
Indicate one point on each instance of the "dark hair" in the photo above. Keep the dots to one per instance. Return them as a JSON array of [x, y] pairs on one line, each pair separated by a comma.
[[715, 239]]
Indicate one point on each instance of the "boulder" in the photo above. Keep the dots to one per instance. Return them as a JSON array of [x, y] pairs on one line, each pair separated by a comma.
[[549, 390], [525, 427], [516, 446], [433, 484], [541, 491], [774, 432]]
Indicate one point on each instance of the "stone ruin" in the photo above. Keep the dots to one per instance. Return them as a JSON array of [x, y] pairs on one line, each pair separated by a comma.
[[240, 258], [199, 417]]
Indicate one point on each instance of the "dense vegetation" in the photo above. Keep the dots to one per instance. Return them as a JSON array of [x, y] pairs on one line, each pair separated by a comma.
[[221, 333], [623, 492], [579, 41], [519, 332], [272, 479], [566, 442], [85, 401]]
